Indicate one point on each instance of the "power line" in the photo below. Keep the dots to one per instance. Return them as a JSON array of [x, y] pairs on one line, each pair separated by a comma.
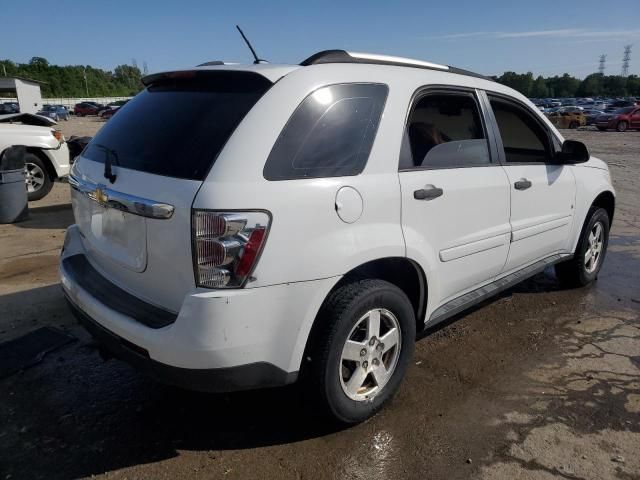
[[625, 60], [603, 59]]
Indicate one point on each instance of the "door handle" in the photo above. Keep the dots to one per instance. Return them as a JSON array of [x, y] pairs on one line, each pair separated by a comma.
[[522, 184], [429, 192]]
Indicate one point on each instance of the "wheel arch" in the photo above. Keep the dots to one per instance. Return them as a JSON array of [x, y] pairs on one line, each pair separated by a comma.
[[402, 272], [606, 200]]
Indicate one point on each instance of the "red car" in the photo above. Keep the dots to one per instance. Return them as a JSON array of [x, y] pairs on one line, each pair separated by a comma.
[[82, 109], [622, 119]]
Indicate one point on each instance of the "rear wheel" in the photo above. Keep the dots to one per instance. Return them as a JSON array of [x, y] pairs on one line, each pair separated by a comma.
[[39, 184], [360, 357], [622, 126], [573, 125], [585, 265]]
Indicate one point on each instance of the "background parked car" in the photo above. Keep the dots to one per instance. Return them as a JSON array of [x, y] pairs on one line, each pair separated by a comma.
[[85, 108], [568, 119], [570, 109], [591, 115], [622, 119], [618, 104], [111, 109], [9, 107], [47, 153], [54, 112]]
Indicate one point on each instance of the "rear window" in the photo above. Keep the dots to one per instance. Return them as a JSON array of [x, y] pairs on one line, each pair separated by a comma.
[[178, 126], [330, 134]]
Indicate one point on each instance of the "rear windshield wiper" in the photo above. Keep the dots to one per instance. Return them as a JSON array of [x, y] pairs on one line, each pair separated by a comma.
[[109, 154]]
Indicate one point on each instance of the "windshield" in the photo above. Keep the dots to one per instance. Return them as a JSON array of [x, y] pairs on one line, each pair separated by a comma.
[[624, 110], [178, 126]]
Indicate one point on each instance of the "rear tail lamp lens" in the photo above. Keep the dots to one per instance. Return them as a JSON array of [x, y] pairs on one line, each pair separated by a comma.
[[226, 246]]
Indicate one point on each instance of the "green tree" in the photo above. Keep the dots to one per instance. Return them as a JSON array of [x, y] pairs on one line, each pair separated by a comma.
[[522, 82], [39, 63], [591, 86], [68, 81], [539, 88]]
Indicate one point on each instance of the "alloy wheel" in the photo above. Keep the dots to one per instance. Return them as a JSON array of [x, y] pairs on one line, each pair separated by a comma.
[[34, 177], [594, 248], [370, 354]]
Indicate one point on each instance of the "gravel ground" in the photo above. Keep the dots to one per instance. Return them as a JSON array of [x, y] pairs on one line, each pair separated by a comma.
[[538, 383]]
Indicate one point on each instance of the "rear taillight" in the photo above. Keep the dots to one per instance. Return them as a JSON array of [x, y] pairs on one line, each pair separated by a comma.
[[226, 246]]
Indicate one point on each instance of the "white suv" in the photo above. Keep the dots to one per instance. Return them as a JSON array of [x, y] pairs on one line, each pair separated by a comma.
[[47, 157], [244, 226]]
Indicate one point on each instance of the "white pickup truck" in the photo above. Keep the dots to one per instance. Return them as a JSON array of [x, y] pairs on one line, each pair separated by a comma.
[[47, 152]]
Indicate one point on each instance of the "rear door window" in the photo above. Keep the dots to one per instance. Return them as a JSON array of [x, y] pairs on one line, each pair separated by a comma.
[[178, 126], [444, 130], [330, 134]]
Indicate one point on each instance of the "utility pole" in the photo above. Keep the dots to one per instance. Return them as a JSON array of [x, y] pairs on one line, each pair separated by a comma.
[[603, 58], [625, 60], [86, 85]]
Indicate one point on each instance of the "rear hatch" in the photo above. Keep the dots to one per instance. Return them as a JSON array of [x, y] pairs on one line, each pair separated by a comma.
[[136, 225]]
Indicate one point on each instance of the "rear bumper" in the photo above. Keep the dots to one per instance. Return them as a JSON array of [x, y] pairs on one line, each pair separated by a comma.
[[220, 340], [243, 377]]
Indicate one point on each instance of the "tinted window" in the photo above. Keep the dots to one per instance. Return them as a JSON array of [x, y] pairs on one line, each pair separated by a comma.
[[444, 131], [523, 138], [177, 127], [624, 110], [330, 134]]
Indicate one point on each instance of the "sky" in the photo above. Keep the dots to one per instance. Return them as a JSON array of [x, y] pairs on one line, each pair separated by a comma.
[[489, 37]]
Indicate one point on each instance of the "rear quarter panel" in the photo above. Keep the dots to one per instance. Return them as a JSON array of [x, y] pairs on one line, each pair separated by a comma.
[[307, 239]]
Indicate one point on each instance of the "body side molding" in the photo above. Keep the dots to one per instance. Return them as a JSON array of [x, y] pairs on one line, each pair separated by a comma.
[[469, 299]]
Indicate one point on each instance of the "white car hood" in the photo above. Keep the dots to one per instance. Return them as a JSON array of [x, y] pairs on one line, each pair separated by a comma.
[[28, 119]]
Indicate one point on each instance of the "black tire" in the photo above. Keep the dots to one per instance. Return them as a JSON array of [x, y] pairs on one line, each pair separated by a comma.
[[340, 314], [45, 187], [573, 125], [602, 129], [574, 272], [622, 126]]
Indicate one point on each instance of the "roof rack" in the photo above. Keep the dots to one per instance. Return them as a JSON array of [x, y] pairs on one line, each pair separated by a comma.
[[342, 56]]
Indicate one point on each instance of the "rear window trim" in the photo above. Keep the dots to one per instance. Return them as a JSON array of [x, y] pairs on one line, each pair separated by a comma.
[[205, 174]]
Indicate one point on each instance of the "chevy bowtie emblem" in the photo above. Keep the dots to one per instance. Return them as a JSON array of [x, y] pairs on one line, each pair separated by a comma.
[[99, 195]]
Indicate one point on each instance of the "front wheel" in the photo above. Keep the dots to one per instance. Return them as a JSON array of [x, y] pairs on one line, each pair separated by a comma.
[[587, 261], [622, 126], [361, 355], [39, 184]]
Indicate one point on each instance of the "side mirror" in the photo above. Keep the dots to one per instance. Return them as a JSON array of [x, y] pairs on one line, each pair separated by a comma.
[[573, 152]]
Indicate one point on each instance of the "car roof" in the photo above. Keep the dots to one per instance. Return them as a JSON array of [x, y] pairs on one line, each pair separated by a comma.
[[274, 72]]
